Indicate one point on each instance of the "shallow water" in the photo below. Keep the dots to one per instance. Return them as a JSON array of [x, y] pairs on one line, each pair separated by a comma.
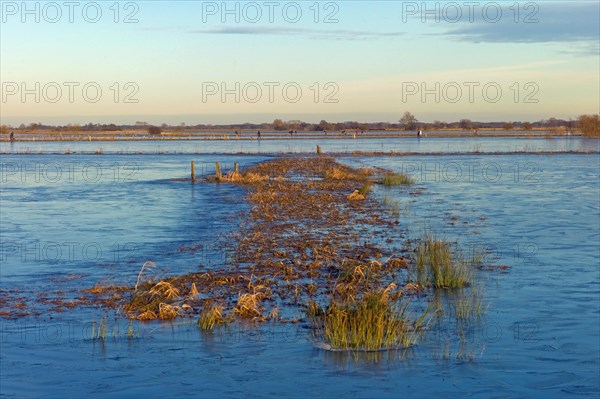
[[408, 144], [540, 215], [103, 216]]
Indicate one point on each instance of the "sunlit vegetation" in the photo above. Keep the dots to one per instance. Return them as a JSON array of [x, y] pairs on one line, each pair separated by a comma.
[[373, 322], [313, 240], [211, 316], [438, 266], [397, 179], [589, 125]]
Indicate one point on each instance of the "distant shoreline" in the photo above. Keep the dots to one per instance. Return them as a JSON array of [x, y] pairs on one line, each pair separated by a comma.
[[214, 135]]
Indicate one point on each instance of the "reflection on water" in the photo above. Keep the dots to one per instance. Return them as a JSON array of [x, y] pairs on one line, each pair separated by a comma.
[[373, 360]]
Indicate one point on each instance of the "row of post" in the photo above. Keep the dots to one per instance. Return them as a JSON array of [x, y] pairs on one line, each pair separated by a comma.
[[218, 174], [236, 168]]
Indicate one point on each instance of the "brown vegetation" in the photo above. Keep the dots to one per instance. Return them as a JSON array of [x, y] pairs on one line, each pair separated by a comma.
[[589, 125], [304, 241]]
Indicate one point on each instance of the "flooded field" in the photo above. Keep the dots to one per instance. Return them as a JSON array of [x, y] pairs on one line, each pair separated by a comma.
[[336, 145], [71, 221]]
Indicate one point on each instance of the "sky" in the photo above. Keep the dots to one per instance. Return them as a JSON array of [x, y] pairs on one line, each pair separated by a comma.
[[237, 61]]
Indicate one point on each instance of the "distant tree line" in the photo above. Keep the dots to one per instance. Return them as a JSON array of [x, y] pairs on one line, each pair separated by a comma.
[[588, 124]]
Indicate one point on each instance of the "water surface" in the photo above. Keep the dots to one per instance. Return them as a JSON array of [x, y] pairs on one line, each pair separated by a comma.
[[540, 215]]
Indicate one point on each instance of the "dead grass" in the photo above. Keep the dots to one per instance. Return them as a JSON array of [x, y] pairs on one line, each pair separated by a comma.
[[249, 305], [356, 196], [211, 316], [164, 289], [301, 242], [338, 173], [167, 311], [154, 301]]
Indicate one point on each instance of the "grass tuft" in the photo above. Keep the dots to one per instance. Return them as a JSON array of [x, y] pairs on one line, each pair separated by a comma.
[[368, 324], [165, 290], [168, 312], [366, 188], [437, 266], [211, 317], [151, 301], [397, 179], [249, 306]]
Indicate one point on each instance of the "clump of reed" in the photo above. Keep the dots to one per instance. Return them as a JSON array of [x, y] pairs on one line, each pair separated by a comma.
[[341, 172], [164, 289], [370, 323], [151, 300], [438, 266], [249, 305], [397, 179], [154, 301], [211, 316], [168, 311]]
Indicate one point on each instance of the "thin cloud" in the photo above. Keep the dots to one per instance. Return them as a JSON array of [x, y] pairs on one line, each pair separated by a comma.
[[287, 31]]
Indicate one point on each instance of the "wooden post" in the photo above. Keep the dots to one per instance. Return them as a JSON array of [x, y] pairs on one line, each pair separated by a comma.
[[236, 168], [193, 171], [218, 171]]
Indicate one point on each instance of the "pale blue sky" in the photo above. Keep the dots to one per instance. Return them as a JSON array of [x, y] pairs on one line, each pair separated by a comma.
[[545, 61]]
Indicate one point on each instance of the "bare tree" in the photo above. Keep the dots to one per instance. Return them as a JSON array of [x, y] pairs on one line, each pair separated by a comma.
[[465, 124], [278, 124], [589, 125], [408, 121]]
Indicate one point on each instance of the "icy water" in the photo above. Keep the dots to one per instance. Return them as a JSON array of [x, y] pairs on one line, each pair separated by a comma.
[[409, 144], [92, 215], [70, 221]]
